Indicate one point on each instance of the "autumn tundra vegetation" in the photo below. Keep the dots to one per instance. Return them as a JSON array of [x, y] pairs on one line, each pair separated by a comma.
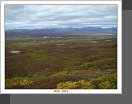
[[75, 62]]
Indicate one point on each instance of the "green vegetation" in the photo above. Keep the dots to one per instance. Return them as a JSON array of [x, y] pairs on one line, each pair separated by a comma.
[[104, 82], [75, 85], [18, 82], [108, 81], [81, 62]]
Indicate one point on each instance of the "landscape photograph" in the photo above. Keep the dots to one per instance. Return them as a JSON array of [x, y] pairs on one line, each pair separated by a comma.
[[61, 46]]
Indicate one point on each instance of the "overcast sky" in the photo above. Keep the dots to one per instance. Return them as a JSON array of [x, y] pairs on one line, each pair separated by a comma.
[[59, 16]]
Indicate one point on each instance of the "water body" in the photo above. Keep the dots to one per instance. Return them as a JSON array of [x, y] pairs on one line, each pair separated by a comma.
[[60, 44], [94, 41], [45, 37], [15, 51], [108, 40]]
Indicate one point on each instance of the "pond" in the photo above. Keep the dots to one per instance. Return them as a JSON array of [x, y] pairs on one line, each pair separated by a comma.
[[108, 40], [14, 51]]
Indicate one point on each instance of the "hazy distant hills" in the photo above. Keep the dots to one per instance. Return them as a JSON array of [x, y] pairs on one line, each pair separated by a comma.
[[59, 32]]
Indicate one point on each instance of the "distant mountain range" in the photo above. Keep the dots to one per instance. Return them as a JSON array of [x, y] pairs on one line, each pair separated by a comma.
[[59, 32]]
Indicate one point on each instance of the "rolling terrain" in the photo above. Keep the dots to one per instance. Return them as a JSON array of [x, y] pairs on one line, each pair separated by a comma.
[[50, 62]]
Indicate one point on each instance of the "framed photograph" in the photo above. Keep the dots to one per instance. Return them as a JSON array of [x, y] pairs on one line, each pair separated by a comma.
[[61, 47]]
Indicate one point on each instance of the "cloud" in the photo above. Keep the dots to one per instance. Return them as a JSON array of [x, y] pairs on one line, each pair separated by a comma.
[[59, 16]]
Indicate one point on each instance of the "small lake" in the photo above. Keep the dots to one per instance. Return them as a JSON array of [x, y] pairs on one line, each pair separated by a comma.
[[60, 44], [94, 41], [15, 51], [108, 40]]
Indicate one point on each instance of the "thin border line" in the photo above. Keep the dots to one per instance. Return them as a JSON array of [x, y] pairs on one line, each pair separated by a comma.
[[51, 91]]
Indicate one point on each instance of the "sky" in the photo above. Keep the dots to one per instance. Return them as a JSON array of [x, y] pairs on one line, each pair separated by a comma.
[[59, 16]]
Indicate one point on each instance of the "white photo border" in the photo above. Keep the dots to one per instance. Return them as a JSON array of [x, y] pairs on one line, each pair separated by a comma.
[[64, 91]]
